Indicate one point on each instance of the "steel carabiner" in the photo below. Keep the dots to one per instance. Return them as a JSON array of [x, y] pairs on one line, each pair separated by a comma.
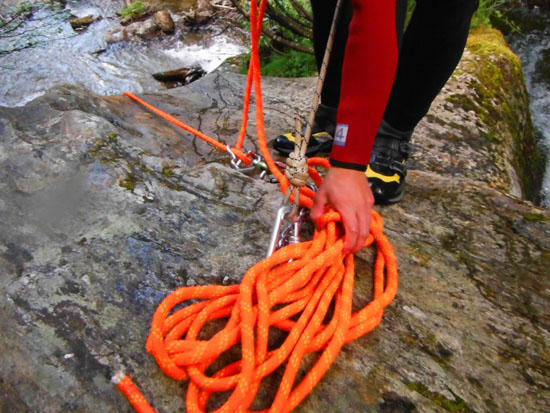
[[283, 212]]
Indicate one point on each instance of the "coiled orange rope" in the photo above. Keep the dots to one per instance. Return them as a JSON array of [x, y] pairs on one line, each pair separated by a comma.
[[298, 280], [292, 290]]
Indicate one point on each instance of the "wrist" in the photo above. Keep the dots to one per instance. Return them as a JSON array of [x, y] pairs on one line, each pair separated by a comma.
[[348, 165]]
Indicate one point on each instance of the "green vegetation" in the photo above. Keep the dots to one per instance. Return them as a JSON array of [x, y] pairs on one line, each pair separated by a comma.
[[128, 184], [133, 10], [286, 44], [286, 48], [167, 172], [489, 11], [294, 64], [535, 217], [456, 406], [501, 104], [24, 7], [290, 64]]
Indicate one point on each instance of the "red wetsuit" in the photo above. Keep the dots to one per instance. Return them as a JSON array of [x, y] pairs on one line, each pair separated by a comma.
[[367, 76]]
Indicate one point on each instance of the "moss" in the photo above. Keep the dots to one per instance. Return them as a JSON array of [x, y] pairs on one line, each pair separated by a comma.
[[104, 149], [128, 184], [502, 104], [133, 10], [490, 136], [463, 101], [435, 119], [167, 172], [534, 217], [456, 406]]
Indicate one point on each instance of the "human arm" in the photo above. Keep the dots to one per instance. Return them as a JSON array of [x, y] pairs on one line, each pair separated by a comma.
[[369, 68]]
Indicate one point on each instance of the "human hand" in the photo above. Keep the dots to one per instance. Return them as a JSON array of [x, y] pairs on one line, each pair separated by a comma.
[[349, 193]]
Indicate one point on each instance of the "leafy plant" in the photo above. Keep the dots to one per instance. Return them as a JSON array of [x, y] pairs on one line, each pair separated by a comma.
[[288, 24], [133, 10], [293, 64], [491, 10]]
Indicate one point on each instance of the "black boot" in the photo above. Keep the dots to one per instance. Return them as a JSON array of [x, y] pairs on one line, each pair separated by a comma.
[[386, 170], [322, 134]]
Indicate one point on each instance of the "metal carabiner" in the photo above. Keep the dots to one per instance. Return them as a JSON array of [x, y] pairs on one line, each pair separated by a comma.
[[236, 162], [282, 213], [257, 162], [291, 234]]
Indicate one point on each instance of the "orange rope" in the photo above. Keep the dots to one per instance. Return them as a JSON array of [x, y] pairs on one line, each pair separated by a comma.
[[134, 396], [297, 280], [292, 290]]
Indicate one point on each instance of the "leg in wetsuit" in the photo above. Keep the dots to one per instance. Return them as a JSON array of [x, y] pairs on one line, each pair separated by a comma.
[[429, 51]]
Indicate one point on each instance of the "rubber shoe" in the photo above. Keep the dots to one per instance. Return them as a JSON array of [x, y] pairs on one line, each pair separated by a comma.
[[387, 169], [321, 137], [318, 142]]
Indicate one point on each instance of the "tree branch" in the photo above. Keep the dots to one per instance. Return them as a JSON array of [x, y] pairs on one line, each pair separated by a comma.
[[289, 43], [307, 15], [271, 35], [287, 23]]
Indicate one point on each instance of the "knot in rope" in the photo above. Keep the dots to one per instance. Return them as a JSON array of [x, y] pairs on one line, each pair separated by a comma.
[[297, 169]]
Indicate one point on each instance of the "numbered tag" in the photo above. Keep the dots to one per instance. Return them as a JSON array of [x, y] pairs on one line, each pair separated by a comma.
[[341, 134]]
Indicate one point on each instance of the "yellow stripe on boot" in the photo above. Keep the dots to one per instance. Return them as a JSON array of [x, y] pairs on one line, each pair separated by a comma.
[[291, 137], [387, 179]]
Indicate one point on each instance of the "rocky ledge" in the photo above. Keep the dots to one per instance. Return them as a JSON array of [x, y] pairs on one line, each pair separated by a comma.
[[106, 208]]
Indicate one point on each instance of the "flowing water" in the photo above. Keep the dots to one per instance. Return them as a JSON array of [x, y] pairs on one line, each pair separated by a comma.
[[52, 53], [532, 44]]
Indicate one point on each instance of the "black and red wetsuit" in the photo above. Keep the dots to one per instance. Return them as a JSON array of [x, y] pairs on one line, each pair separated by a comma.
[[367, 81]]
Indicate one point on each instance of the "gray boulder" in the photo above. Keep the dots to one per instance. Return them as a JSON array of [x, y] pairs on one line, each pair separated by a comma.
[[106, 208]]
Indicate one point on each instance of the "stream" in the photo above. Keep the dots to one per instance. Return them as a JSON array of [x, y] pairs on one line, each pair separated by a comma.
[[53, 53], [532, 45]]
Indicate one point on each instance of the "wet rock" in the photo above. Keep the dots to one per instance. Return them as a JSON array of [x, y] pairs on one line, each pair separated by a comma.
[[542, 68], [180, 77], [81, 23], [200, 15], [143, 29], [164, 21], [118, 34], [106, 208], [147, 28]]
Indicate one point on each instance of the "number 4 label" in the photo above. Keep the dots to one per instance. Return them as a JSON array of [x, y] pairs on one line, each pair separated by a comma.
[[341, 134]]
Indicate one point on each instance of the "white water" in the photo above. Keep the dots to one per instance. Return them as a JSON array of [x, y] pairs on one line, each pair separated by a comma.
[[62, 56], [531, 48]]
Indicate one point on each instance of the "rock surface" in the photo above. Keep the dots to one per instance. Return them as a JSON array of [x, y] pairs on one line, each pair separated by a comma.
[[146, 28], [106, 208], [164, 20], [81, 23]]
